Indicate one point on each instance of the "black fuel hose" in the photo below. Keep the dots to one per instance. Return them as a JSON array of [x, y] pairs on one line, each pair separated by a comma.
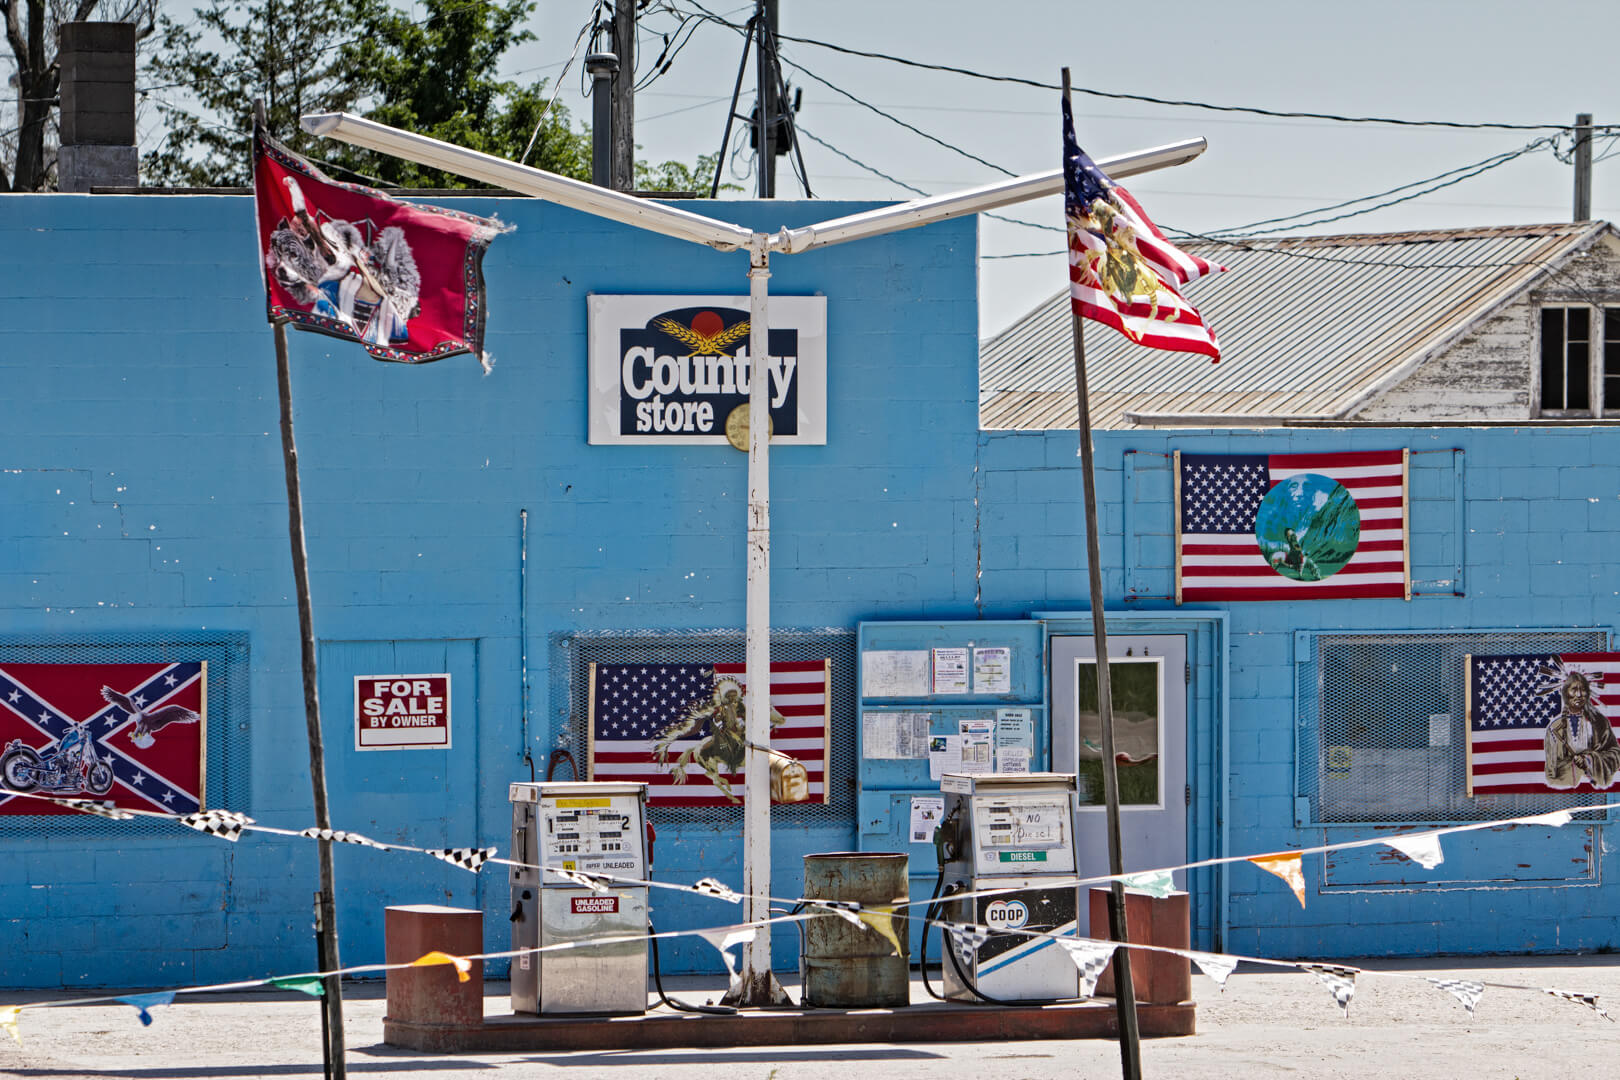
[[675, 1003], [931, 914]]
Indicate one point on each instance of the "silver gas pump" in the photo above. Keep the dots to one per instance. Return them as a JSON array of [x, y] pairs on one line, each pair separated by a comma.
[[591, 828], [1009, 831]]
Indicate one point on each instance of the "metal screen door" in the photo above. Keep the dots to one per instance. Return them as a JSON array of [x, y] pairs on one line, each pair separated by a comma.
[[1148, 676]]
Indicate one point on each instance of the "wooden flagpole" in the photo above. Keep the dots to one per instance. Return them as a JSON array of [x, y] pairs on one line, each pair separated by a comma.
[[326, 899], [1130, 1044]]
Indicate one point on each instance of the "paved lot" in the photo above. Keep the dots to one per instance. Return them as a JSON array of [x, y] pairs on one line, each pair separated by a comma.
[[1266, 1023]]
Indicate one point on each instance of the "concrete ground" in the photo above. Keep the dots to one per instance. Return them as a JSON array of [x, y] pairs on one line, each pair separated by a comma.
[[1268, 1022]]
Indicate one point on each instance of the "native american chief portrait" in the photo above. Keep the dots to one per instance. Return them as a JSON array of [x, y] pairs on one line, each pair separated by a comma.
[[369, 285], [1580, 745]]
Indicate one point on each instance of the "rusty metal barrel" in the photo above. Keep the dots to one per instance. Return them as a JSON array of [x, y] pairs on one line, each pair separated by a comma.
[[845, 966]]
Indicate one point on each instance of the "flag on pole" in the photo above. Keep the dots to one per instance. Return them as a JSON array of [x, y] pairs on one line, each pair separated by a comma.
[[404, 280], [1542, 722], [1122, 270], [1291, 526], [682, 728]]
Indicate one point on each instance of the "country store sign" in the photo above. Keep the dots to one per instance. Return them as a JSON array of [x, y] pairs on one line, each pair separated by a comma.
[[675, 370]]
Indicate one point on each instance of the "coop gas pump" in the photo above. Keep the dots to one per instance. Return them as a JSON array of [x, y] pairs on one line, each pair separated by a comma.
[[591, 828], [1008, 831]]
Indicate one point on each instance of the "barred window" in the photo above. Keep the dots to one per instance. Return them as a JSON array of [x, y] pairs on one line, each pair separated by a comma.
[[1382, 732]]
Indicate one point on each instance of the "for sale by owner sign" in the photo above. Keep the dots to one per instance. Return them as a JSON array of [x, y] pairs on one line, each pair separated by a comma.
[[402, 712]]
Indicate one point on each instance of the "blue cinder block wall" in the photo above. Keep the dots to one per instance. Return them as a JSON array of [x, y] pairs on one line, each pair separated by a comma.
[[141, 475]]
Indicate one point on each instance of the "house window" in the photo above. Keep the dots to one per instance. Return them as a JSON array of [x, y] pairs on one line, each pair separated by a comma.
[[1566, 360], [1383, 736], [1611, 362]]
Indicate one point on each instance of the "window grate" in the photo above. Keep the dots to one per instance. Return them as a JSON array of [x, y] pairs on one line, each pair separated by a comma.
[[1382, 731], [573, 653], [229, 739]]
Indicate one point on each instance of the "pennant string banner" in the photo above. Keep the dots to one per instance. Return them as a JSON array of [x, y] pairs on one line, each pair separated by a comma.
[[1217, 967], [1288, 867], [1340, 981], [1091, 958], [143, 1002], [8, 1020], [1423, 849], [462, 965], [1463, 990]]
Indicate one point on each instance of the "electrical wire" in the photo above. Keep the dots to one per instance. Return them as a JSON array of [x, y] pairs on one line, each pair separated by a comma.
[[1287, 114], [557, 87]]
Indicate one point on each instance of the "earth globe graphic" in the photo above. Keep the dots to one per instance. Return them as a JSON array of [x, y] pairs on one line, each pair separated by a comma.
[[1307, 527]]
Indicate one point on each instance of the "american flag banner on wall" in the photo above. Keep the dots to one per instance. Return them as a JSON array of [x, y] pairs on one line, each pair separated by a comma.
[[134, 735], [680, 728], [1542, 722], [1292, 526]]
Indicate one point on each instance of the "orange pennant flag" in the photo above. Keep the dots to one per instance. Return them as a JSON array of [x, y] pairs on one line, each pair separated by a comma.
[[1287, 867], [463, 965]]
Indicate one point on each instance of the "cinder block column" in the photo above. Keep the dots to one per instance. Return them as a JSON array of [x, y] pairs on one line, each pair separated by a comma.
[[434, 995], [97, 125]]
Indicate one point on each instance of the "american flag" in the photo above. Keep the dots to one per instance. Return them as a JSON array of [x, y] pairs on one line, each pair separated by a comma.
[[1122, 270], [41, 703], [1508, 718], [1234, 512], [632, 705]]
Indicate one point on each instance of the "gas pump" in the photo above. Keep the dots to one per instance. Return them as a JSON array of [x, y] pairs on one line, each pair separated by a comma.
[[586, 827], [1009, 831]]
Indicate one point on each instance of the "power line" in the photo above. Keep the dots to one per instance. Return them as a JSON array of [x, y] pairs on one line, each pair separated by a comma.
[[1287, 114]]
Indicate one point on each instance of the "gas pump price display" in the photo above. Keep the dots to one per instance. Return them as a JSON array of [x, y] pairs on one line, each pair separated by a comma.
[[591, 834], [1016, 836]]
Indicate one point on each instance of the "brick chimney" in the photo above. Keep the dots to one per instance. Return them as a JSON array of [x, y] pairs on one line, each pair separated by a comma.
[[97, 61]]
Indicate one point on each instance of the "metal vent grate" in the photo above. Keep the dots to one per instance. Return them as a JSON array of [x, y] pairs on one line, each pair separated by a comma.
[[1382, 730], [573, 653], [229, 741]]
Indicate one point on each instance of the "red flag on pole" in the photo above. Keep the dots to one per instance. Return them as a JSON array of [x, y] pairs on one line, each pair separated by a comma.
[[404, 280]]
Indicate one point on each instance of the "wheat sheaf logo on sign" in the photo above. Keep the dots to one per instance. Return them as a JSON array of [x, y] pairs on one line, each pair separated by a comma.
[[708, 335]]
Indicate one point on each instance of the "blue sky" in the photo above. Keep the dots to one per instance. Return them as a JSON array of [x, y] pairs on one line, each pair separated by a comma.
[[1446, 60]]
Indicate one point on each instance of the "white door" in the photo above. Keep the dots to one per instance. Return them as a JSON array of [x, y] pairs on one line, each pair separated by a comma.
[[1149, 681]]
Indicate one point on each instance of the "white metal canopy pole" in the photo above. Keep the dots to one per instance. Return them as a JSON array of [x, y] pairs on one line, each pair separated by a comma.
[[757, 986]]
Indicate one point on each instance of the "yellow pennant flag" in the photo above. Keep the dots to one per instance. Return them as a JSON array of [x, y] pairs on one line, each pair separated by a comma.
[[8, 1020], [881, 921], [1287, 867], [463, 965]]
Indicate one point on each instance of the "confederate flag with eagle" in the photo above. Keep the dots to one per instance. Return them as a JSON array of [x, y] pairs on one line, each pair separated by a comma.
[[135, 735]]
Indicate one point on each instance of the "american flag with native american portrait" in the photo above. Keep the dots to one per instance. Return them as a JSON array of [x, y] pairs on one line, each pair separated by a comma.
[[679, 728], [1542, 722], [135, 735]]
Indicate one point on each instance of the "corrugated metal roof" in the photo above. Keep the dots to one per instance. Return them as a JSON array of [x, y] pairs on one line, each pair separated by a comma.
[[1307, 326]]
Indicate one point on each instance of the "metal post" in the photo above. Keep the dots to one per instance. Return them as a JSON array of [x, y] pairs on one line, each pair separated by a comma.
[[602, 67], [326, 904], [758, 986], [624, 96], [1130, 1046], [1583, 167], [765, 96]]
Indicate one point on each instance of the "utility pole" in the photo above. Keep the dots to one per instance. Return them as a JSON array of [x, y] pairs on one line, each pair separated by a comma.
[[766, 18], [624, 96], [602, 68], [1583, 167]]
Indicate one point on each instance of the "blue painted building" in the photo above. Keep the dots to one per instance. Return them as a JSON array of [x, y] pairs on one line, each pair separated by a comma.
[[461, 523]]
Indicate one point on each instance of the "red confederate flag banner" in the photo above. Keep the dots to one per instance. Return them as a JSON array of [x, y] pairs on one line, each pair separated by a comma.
[[404, 280], [1291, 526], [134, 735], [680, 728]]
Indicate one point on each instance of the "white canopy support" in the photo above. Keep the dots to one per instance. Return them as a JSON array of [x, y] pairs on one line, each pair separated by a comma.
[[603, 202], [926, 211]]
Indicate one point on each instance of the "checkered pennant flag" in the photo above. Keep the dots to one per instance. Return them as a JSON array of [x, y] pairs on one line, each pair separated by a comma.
[[100, 809], [226, 824], [468, 858], [1340, 981], [710, 887], [848, 910], [1214, 965], [1463, 990], [1091, 957], [340, 837], [966, 939], [1589, 1000], [593, 882]]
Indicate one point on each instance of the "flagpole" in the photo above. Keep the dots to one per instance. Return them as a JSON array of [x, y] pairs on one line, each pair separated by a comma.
[[332, 1048], [1130, 1044]]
